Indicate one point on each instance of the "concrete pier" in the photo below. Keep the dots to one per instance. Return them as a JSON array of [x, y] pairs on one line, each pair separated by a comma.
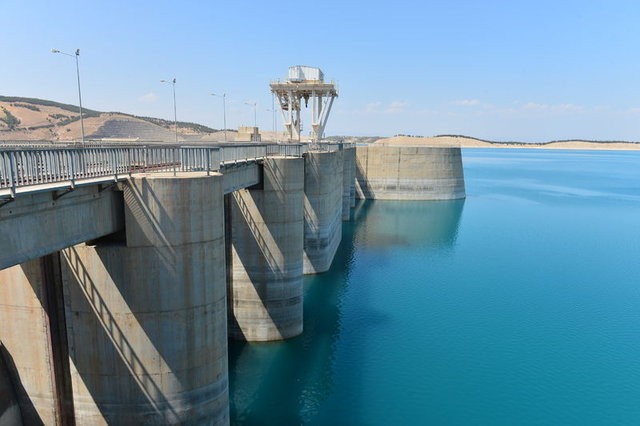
[[265, 290], [409, 173], [146, 317], [28, 334], [323, 203], [9, 407]]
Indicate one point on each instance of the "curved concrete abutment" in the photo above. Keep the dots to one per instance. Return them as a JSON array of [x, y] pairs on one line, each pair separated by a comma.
[[323, 204], [409, 173], [266, 225], [146, 319]]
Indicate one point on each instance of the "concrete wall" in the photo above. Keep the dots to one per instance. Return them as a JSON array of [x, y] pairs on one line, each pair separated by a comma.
[[323, 202], [48, 224], [146, 321], [409, 173], [348, 182], [248, 134], [265, 291], [352, 178]]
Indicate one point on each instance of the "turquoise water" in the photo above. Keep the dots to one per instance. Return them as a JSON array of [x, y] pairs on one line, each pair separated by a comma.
[[519, 305]]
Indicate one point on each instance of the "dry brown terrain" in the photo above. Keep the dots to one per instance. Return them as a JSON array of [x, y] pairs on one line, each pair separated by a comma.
[[38, 122], [468, 142]]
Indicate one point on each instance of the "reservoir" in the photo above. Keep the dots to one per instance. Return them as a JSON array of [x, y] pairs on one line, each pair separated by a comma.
[[518, 305]]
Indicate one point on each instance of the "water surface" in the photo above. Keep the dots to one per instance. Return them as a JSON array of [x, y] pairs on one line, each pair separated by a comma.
[[518, 305]]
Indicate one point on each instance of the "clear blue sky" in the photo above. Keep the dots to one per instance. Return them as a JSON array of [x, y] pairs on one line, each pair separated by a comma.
[[502, 70]]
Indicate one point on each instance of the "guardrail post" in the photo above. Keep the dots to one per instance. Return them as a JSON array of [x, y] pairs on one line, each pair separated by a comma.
[[72, 168], [129, 164], [217, 158], [175, 159], [208, 151], [12, 174], [114, 164]]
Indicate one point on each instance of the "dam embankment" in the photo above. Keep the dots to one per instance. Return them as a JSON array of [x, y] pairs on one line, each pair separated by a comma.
[[409, 173], [122, 313]]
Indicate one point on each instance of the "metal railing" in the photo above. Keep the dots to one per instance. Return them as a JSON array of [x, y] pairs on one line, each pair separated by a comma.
[[287, 150], [235, 153], [325, 147], [36, 166]]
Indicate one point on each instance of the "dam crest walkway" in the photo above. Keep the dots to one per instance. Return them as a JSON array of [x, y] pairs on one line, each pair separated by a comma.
[[34, 168]]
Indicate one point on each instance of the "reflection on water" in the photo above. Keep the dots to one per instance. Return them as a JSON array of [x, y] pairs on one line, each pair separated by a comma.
[[287, 382], [388, 224]]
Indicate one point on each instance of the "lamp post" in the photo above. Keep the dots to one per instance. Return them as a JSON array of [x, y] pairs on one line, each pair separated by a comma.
[[76, 55], [273, 111], [255, 120], [175, 114], [224, 112]]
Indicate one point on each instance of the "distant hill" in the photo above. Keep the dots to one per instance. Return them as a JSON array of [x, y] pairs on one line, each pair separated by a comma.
[[471, 142], [38, 119]]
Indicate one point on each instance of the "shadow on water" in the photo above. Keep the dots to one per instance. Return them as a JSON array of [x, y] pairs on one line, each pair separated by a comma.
[[287, 382]]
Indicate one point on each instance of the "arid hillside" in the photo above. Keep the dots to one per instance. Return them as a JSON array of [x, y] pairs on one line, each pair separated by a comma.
[[41, 120]]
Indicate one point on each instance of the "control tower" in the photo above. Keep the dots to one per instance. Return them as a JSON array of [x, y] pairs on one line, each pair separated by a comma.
[[304, 83]]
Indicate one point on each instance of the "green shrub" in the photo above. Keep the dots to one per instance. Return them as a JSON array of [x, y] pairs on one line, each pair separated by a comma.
[[27, 106], [9, 119], [42, 102], [68, 120], [58, 116]]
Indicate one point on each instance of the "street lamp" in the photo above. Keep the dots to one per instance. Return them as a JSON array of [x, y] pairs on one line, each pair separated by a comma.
[[76, 55], [255, 120], [175, 115], [274, 121], [273, 110], [224, 112]]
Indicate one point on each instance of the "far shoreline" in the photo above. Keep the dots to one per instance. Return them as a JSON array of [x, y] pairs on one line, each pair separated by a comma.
[[470, 142]]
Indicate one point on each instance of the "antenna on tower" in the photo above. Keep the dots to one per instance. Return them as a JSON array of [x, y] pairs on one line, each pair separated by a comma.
[[304, 83]]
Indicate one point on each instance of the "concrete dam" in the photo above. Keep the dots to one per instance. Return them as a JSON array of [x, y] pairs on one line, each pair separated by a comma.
[[125, 270]]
